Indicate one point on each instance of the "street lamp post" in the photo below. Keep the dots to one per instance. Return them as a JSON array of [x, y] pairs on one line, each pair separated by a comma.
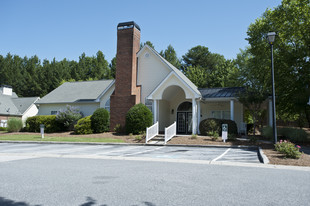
[[271, 36]]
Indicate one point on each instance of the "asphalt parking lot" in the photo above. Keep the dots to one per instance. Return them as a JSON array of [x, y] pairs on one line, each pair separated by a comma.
[[13, 151]]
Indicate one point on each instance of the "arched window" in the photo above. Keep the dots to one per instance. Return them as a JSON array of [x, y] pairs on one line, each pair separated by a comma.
[[185, 107], [107, 105]]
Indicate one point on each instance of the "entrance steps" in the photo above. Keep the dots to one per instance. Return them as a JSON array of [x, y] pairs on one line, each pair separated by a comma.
[[158, 139]]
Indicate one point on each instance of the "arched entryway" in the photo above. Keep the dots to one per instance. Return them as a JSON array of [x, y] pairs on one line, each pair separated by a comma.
[[184, 118]]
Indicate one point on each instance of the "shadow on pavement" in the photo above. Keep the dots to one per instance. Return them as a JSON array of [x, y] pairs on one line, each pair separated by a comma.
[[7, 202]]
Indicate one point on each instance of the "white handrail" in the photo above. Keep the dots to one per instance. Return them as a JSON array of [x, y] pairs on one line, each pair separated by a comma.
[[151, 132], [170, 132]]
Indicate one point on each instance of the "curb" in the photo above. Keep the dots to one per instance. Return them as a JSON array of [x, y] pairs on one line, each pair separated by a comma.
[[261, 156], [127, 144]]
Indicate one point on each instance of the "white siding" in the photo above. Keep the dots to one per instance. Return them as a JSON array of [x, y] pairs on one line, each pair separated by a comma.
[[32, 111], [207, 108], [106, 96], [151, 71], [86, 108]]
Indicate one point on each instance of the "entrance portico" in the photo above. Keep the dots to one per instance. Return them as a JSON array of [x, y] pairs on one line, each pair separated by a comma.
[[168, 98]]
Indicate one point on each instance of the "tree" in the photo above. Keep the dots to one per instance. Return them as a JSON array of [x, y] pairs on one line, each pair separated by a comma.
[[197, 76], [291, 22], [113, 67], [150, 44], [216, 69], [171, 56], [252, 98]]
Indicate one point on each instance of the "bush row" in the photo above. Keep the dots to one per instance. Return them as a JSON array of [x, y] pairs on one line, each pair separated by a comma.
[[292, 134], [49, 121], [212, 125]]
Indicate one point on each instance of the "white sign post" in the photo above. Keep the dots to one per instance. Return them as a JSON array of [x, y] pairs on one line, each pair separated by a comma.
[[42, 130], [224, 132]]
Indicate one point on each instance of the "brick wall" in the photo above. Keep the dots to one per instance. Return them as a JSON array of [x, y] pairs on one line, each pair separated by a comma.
[[126, 93]]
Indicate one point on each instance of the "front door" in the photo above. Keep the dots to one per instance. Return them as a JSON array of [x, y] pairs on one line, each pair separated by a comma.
[[184, 122]]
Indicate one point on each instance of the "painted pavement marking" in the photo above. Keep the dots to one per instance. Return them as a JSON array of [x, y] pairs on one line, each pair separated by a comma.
[[222, 155]]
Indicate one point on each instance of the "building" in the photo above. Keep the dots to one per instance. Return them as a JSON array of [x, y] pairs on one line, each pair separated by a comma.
[[13, 106], [143, 76]]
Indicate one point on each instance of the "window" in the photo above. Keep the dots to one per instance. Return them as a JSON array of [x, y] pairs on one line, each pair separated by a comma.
[[221, 114], [107, 105], [226, 114], [3, 123], [54, 112], [149, 104]]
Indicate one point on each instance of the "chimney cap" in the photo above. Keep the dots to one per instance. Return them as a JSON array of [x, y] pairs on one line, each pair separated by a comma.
[[6, 86], [127, 25]]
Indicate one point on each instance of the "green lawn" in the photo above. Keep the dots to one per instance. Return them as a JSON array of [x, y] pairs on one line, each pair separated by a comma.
[[26, 137]]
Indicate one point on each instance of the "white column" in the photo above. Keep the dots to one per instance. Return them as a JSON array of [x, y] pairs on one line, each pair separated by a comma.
[[232, 109], [270, 111], [154, 111], [198, 115], [194, 116]]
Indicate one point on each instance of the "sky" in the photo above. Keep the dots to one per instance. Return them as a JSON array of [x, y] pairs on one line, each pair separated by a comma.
[[67, 28]]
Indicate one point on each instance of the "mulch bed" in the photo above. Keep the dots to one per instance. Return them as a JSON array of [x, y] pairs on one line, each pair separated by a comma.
[[273, 156]]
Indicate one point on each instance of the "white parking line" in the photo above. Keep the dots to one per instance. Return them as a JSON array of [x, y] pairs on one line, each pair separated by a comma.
[[215, 159], [118, 150], [145, 151]]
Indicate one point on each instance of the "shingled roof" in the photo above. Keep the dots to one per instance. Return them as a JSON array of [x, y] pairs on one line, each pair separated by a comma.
[[225, 92], [16, 106], [77, 92]]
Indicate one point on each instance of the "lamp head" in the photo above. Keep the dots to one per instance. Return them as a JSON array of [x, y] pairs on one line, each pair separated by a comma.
[[271, 36]]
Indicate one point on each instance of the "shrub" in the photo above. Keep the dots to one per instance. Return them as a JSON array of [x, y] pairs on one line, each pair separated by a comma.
[[267, 132], [138, 118], [289, 149], [83, 126], [15, 124], [209, 125], [215, 125], [215, 135], [69, 117], [3, 129], [100, 120], [293, 134], [232, 137], [118, 128], [194, 136], [49, 121]]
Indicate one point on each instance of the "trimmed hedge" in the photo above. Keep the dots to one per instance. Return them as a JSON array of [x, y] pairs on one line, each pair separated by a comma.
[[49, 121], [15, 124], [100, 120], [215, 125], [138, 118], [293, 134], [83, 126], [3, 129]]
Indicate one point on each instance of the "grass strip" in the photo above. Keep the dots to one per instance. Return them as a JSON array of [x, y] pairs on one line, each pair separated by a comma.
[[25, 137]]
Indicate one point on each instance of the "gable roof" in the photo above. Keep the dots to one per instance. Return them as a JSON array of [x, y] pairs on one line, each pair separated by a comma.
[[225, 92], [13, 105], [178, 73], [23, 103], [7, 106], [77, 92]]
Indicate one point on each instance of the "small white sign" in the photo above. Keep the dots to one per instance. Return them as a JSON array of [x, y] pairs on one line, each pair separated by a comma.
[[224, 132]]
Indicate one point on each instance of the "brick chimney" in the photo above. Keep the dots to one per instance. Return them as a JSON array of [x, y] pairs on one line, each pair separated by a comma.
[[126, 93]]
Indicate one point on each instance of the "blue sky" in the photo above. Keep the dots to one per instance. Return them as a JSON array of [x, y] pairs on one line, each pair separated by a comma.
[[67, 28]]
